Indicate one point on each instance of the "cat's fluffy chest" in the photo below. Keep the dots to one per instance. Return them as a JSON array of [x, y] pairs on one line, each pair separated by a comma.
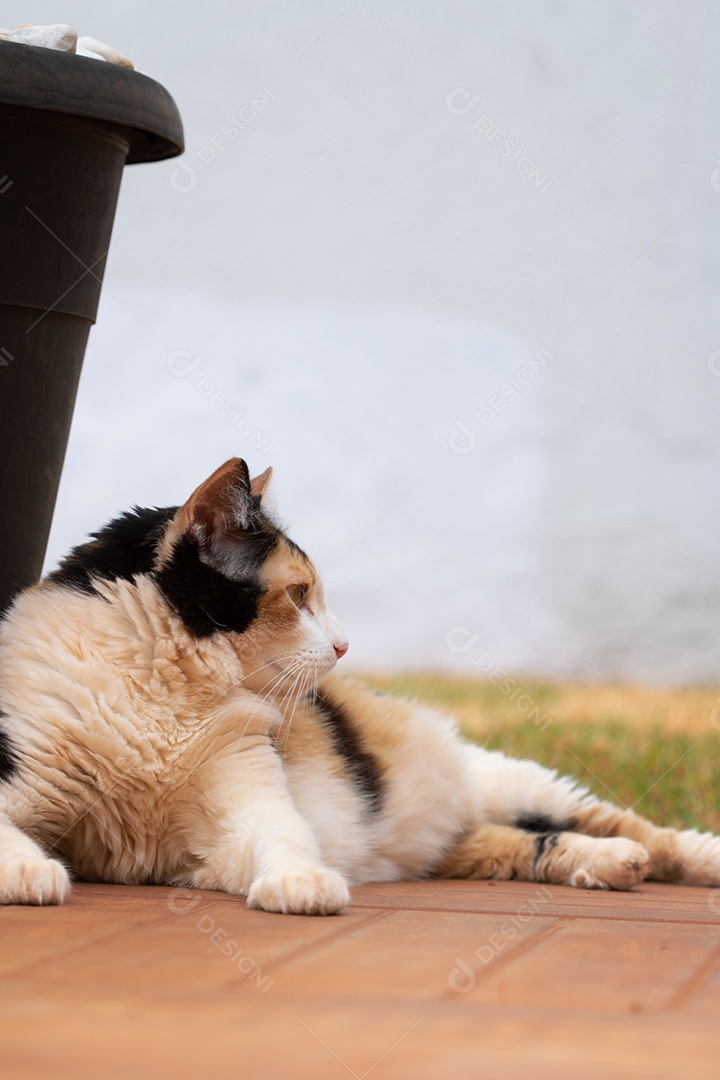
[[102, 697], [121, 649]]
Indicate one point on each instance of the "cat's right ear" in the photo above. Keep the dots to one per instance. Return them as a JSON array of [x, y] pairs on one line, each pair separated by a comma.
[[221, 504]]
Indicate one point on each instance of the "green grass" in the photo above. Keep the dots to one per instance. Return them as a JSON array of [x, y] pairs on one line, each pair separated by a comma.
[[653, 750], [669, 777]]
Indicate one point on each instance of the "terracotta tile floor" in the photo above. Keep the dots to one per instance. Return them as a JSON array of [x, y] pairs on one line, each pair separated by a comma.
[[456, 979]]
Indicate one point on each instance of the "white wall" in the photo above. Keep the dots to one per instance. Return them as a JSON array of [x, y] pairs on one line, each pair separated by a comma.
[[360, 268]]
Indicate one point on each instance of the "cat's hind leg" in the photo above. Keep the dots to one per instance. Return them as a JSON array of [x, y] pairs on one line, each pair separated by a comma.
[[528, 796], [27, 874], [501, 852], [683, 856]]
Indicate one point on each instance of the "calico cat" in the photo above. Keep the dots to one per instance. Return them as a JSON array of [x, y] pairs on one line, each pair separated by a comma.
[[169, 716]]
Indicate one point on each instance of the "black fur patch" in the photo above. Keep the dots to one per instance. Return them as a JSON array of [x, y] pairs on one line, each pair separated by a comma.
[[541, 824], [296, 550], [124, 548], [361, 765], [206, 600], [8, 757], [547, 840]]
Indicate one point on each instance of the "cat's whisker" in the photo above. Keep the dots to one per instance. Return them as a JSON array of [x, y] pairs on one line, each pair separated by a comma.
[[288, 672], [269, 663], [299, 688], [263, 701], [297, 672], [239, 684]]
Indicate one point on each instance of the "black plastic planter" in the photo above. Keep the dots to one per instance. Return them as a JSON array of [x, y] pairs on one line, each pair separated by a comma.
[[68, 126]]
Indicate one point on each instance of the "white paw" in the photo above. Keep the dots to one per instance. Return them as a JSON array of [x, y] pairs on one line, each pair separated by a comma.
[[26, 880], [608, 863], [308, 891]]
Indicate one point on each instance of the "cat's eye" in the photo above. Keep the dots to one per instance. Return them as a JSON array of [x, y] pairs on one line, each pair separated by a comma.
[[296, 594]]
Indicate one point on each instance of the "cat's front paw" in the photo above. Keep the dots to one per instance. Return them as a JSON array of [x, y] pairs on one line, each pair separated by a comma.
[[26, 880], [609, 863], [308, 891]]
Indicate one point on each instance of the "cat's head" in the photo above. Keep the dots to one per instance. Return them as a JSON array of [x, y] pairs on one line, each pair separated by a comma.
[[227, 567]]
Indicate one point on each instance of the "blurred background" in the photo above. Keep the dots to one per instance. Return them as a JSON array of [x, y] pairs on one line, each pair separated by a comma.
[[448, 268]]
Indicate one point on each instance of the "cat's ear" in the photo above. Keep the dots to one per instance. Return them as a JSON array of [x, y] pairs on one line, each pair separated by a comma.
[[259, 484], [222, 503]]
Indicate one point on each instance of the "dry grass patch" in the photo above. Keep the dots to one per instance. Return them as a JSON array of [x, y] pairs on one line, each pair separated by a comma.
[[654, 749]]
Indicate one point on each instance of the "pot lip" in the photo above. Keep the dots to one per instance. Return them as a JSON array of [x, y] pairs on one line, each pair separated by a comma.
[[54, 81]]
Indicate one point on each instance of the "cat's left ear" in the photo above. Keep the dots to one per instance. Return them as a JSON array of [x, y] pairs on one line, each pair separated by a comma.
[[221, 504], [259, 484]]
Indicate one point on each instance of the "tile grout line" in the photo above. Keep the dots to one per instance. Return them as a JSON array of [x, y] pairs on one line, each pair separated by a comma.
[[483, 975], [631, 916], [77, 948], [695, 983], [280, 963]]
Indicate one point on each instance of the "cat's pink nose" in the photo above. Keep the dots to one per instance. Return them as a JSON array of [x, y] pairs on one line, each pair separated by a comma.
[[341, 649]]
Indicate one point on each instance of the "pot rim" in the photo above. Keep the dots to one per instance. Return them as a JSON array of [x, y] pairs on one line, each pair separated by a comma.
[[60, 82]]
